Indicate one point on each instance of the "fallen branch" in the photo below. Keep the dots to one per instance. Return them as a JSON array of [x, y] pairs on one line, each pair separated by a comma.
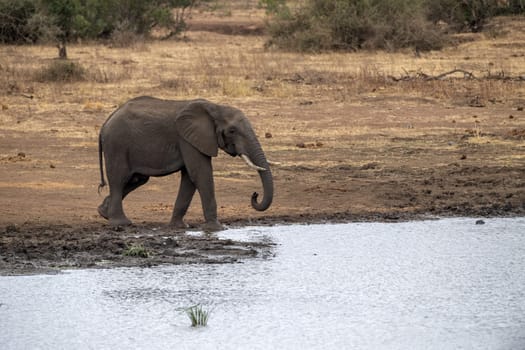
[[466, 75]]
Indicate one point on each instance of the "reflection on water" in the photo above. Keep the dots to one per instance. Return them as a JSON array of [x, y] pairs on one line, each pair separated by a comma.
[[446, 284]]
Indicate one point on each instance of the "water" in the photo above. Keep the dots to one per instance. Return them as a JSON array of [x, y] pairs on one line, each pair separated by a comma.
[[447, 284]]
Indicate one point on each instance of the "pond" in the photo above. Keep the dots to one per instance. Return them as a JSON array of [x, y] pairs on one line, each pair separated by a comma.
[[438, 284]]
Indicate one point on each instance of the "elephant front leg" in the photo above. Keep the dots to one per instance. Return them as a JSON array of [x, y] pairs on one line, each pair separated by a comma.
[[184, 197], [199, 169], [206, 188]]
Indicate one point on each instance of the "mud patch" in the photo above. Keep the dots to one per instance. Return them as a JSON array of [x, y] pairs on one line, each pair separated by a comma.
[[30, 249], [518, 134], [20, 157]]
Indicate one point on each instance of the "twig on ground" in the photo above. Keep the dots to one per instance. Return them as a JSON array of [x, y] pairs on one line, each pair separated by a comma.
[[466, 75]]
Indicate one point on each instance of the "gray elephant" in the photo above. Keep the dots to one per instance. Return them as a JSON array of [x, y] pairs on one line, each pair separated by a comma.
[[152, 137]]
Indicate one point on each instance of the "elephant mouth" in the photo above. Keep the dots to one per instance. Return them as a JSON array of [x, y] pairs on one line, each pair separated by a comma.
[[231, 153], [231, 150]]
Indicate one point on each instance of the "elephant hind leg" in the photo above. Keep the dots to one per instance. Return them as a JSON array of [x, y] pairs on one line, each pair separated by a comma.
[[103, 208], [135, 182], [184, 197]]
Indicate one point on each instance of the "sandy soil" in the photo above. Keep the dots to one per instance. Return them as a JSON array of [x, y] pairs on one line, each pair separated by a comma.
[[385, 154]]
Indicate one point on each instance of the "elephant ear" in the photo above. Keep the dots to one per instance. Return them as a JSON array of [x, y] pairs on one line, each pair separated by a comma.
[[196, 125]]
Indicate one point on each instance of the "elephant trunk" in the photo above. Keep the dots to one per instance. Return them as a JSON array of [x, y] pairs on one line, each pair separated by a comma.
[[257, 156]]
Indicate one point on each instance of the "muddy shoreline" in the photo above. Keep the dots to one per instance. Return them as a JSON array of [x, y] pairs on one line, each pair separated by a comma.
[[36, 249], [33, 248]]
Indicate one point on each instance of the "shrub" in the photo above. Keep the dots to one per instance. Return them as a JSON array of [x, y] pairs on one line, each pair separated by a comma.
[[471, 15], [351, 25], [124, 36], [61, 71], [317, 25], [65, 20], [273, 6], [515, 7], [468, 15], [15, 16]]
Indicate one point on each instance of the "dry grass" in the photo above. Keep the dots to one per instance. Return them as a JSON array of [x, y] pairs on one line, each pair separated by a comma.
[[238, 67], [238, 70]]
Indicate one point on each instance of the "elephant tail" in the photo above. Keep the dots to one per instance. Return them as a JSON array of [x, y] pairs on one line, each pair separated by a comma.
[[101, 164]]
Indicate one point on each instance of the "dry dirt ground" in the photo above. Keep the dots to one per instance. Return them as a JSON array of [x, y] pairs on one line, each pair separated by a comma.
[[359, 137]]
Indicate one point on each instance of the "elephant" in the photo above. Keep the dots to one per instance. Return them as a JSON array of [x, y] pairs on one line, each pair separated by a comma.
[[147, 136]]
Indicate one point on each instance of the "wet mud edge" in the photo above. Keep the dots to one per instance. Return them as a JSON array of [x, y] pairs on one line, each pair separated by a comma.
[[33, 248]]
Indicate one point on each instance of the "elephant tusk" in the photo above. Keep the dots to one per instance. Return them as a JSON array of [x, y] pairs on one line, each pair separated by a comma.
[[274, 163], [250, 163]]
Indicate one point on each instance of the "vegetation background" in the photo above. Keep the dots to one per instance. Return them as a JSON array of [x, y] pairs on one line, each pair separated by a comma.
[[301, 25]]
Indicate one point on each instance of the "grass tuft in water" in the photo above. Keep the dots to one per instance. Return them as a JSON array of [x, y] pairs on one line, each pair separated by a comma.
[[197, 315], [136, 251]]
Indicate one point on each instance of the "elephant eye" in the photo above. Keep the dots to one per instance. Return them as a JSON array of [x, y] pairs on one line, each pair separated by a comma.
[[231, 130]]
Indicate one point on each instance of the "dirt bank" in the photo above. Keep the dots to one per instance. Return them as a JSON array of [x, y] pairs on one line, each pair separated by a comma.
[[49, 218]]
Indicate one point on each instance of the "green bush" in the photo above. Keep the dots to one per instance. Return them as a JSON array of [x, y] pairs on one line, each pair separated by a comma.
[[351, 25], [15, 16], [467, 15], [273, 6], [317, 25], [515, 7], [65, 20], [470, 15]]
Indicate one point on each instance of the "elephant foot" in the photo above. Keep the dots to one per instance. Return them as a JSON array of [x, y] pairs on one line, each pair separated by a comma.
[[213, 226], [178, 224], [103, 209], [120, 222]]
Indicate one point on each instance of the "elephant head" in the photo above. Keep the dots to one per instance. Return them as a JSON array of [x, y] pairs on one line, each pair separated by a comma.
[[208, 127]]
